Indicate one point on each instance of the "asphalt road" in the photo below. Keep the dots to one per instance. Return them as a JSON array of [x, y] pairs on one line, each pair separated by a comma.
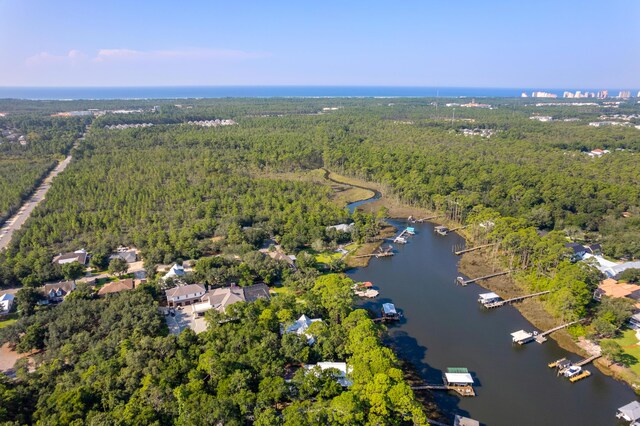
[[17, 220]]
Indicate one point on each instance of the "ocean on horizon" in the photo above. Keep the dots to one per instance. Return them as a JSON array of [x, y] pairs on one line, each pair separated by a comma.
[[184, 92]]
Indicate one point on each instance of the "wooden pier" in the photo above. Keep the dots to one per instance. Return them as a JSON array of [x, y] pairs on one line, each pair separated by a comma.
[[460, 390], [513, 300], [401, 238], [380, 252], [587, 360], [464, 282], [542, 337], [458, 228], [424, 219], [459, 252]]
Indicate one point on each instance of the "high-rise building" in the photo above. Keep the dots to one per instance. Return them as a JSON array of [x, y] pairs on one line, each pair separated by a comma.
[[625, 94]]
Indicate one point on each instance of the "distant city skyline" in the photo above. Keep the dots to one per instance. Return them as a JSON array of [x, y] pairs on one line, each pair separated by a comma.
[[492, 44]]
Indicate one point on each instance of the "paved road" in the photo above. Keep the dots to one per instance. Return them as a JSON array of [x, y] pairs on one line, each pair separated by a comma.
[[18, 219]]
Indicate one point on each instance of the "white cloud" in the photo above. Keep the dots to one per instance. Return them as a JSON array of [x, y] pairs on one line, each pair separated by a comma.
[[191, 53], [114, 55], [72, 56]]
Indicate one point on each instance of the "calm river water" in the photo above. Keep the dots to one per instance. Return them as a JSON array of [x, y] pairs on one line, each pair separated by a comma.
[[444, 326]]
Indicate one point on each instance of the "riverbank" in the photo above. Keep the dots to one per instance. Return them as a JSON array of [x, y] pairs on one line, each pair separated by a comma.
[[479, 263]]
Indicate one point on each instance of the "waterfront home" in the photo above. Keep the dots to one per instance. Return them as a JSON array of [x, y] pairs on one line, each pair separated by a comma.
[[221, 298], [340, 371], [488, 298], [614, 289], [577, 250], [630, 413], [57, 292], [79, 256], [301, 327], [6, 302], [183, 295], [611, 269], [116, 287], [521, 337]]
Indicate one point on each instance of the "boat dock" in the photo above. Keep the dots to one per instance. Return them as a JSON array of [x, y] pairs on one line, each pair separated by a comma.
[[442, 230], [521, 337], [459, 252], [584, 374], [542, 337], [380, 252], [463, 282], [411, 219], [490, 304]]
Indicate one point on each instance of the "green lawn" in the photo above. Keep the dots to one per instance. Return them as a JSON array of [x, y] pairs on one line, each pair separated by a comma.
[[7, 320], [629, 344]]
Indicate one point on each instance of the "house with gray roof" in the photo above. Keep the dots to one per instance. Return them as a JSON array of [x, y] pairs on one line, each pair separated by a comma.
[[221, 298]]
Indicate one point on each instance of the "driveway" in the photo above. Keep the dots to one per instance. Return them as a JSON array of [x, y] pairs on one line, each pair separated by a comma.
[[182, 320]]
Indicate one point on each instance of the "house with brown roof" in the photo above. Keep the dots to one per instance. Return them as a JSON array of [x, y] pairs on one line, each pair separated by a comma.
[[613, 288], [57, 292], [184, 295], [116, 287]]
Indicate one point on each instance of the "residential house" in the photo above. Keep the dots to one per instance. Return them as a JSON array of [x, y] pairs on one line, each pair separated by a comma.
[[220, 298], [126, 254], [6, 302], [55, 293], [613, 288], [340, 371], [577, 250], [183, 295], [343, 227], [289, 260], [301, 327], [611, 269], [80, 256], [176, 271], [116, 287], [597, 152]]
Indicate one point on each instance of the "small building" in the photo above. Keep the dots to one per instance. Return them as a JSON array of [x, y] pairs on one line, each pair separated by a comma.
[[55, 293], [389, 312], [442, 230], [488, 298], [79, 256], [6, 302], [340, 370], [301, 327], [459, 420], [116, 287], [184, 294], [630, 413], [176, 271], [521, 337]]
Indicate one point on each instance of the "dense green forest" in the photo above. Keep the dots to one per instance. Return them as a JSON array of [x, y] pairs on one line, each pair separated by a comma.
[[22, 167], [111, 361]]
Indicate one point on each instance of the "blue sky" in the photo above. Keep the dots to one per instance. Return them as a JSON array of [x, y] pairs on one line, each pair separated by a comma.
[[551, 44]]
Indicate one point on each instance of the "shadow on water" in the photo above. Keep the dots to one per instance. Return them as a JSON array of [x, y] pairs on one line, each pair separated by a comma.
[[443, 326]]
